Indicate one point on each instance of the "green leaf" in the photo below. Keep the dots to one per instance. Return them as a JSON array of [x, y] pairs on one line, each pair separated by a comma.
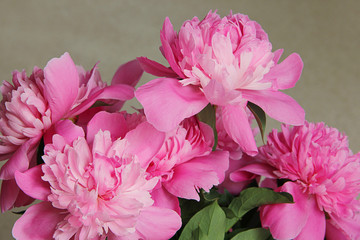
[[260, 117], [223, 199], [209, 223], [254, 197], [253, 234], [207, 115]]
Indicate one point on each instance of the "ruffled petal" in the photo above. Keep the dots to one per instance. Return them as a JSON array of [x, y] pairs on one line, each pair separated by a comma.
[[277, 105], [166, 102], [162, 198]]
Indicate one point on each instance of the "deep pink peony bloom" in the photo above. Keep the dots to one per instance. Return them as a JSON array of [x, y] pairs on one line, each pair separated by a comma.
[[32, 105], [324, 179], [94, 188], [226, 62]]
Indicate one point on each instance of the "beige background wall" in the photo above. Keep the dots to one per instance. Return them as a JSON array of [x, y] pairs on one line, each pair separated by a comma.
[[325, 33]]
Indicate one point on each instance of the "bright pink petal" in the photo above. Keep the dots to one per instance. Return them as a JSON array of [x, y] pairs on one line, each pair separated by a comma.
[[20, 160], [67, 129], [202, 172], [61, 85], [113, 122], [162, 198], [120, 92], [38, 222], [166, 102], [31, 183], [156, 68], [287, 73], [236, 124], [287, 220], [158, 223], [277, 105], [167, 37], [144, 141], [128, 74], [315, 225]]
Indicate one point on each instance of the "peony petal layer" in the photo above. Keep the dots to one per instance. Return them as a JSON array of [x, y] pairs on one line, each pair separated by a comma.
[[67, 129], [128, 74], [167, 102]]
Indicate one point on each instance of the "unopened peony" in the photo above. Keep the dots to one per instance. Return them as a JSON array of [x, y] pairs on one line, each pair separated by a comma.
[[32, 105], [94, 188], [225, 62], [323, 176]]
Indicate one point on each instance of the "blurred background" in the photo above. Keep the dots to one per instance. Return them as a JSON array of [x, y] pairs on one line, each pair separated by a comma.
[[325, 33]]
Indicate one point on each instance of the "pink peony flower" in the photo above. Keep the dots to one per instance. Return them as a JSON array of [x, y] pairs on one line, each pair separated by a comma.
[[186, 163], [94, 188], [225, 62], [32, 105], [323, 177], [182, 159]]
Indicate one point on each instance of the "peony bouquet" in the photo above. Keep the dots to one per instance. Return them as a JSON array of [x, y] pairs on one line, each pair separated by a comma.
[[186, 165]]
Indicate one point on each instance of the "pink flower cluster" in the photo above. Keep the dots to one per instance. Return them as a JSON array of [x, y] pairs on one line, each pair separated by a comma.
[[102, 173]]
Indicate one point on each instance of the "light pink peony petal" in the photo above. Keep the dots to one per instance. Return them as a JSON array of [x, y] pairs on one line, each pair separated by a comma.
[[120, 92], [201, 172], [158, 223], [167, 37], [287, 220], [20, 160], [277, 105], [287, 73], [38, 222], [31, 183], [144, 141], [61, 85], [156, 68], [166, 102], [113, 122], [162, 198], [67, 129], [236, 124]]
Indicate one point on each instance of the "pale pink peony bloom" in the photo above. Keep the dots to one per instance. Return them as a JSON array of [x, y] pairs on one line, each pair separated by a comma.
[[226, 62], [323, 177], [32, 105], [94, 188]]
